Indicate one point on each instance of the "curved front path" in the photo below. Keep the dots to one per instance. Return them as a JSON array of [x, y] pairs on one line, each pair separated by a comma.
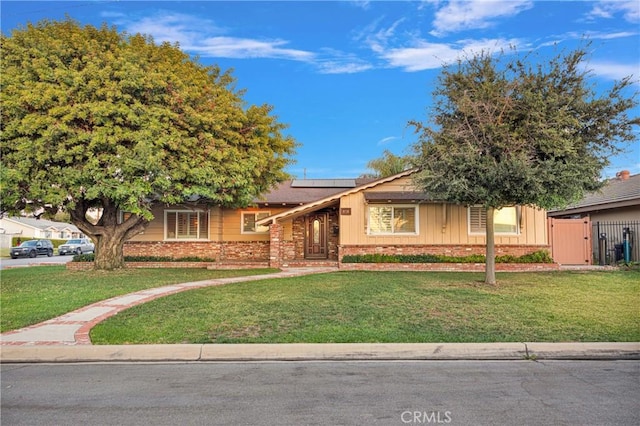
[[73, 328]]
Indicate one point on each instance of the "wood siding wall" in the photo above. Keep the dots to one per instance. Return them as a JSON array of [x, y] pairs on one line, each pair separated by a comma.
[[437, 225], [224, 224]]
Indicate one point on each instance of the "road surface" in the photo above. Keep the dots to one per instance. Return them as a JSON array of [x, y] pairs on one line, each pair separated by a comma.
[[323, 393], [7, 262]]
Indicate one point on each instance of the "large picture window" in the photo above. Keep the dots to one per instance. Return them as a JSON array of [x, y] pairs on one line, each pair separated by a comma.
[[505, 220], [186, 225], [397, 219], [249, 220]]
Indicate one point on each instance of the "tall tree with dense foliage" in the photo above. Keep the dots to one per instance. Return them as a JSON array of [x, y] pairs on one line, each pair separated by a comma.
[[506, 132], [387, 165], [97, 119]]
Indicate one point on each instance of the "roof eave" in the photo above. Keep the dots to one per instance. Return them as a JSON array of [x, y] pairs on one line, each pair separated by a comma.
[[297, 211]]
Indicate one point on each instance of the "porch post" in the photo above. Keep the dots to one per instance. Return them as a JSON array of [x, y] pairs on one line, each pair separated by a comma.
[[275, 252]]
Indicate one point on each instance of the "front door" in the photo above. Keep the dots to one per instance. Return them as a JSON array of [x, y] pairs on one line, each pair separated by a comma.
[[316, 236]]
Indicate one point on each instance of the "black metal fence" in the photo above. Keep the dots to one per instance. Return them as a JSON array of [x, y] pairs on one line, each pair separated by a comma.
[[615, 242]]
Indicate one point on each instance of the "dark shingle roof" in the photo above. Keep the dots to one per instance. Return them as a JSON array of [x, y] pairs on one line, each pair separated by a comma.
[[303, 191], [615, 192]]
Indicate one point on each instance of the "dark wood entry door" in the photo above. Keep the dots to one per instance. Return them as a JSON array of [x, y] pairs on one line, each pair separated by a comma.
[[316, 236]]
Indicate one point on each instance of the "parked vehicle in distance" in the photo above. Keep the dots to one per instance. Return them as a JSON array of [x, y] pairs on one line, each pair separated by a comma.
[[32, 248], [76, 246]]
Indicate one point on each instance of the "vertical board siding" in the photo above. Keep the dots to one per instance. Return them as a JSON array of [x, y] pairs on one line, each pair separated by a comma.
[[353, 227]]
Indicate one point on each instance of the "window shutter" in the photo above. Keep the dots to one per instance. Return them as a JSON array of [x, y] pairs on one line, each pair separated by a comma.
[[477, 219]]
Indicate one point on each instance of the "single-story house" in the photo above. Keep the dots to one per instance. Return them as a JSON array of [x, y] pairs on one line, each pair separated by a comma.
[[319, 221], [618, 200], [611, 216], [30, 227]]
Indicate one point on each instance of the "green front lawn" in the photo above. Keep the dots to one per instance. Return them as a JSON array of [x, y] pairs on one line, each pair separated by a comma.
[[391, 307], [32, 295]]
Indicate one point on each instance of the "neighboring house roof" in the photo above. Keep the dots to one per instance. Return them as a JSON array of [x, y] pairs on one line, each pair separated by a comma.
[[319, 203], [303, 191], [621, 191], [42, 224]]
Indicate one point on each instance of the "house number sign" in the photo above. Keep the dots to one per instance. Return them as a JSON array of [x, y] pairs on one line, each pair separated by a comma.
[[345, 211]]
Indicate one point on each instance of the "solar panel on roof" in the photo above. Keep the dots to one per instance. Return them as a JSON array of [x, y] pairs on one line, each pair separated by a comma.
[[323, 183]]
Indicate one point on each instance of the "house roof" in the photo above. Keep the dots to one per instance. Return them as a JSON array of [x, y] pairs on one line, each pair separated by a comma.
[[42, 223], [303, 191], [332, 198], [617, 192]]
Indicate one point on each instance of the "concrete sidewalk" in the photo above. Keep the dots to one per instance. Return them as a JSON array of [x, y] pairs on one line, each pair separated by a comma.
[[66, 339], [321, 352]]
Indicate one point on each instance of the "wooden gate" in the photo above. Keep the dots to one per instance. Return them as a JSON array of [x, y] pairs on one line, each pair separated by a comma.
[[570, 241]]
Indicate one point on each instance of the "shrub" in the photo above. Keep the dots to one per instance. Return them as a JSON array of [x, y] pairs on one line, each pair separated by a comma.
[[83, 257], [536, 257]]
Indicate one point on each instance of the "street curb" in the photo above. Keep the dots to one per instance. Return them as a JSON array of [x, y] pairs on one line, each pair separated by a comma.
[[321, 352]]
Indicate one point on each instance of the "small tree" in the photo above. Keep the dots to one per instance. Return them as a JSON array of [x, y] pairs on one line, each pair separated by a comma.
[[387, 165], [92, 118], [509, 133]]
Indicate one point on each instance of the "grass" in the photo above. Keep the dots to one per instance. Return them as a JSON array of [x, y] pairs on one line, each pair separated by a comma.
[[391, 307], [33, 295]]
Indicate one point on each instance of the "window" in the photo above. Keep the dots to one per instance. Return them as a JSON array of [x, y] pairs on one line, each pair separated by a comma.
[[123, 216], [393, 220], [186, 225], [505, 220], [249, 220]]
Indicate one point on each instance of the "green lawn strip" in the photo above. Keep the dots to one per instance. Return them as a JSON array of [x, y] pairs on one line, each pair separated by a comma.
[[32, 295], [391, 307]]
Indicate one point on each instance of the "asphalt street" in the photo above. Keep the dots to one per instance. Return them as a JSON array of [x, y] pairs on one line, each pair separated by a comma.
[[323, 393], [40, 260]]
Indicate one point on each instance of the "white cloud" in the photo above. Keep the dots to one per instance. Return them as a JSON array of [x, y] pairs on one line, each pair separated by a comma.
[[205, 38], [338, 67], [615, 71], [425, 55], [233, 47], [172, 27], [608, 9], [464, 15], [331, 61], [386, 140]]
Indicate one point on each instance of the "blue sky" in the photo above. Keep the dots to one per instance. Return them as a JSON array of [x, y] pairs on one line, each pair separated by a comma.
[[347, 76]]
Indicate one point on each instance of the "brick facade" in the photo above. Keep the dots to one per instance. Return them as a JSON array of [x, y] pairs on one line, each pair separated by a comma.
[[229, 251], [275, 247]]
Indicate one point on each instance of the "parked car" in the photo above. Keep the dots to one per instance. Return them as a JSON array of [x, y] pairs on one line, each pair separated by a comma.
[[76, 246], [32, 248]]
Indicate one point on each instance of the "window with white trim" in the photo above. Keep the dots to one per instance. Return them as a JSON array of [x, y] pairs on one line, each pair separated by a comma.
[[249, 220], [392, 219], [186, 225], [505, 220]]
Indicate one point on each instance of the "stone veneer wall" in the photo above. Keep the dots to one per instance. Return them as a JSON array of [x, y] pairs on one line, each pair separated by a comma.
[[231, 251]]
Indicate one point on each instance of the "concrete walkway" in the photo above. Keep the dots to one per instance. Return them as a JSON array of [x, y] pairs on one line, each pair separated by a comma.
[[73, 328], [66, 339]]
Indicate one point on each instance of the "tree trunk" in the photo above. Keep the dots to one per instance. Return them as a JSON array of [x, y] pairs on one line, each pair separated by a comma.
[[490, 266], [109, 252], [107, 234]]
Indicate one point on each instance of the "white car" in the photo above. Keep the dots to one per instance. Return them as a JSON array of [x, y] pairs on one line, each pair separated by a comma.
[[76, 246]]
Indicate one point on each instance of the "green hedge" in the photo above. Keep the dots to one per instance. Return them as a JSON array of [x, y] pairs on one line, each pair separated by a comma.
[[90, 258], [535, 257]]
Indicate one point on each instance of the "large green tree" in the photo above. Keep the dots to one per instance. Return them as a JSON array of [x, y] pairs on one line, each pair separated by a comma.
[[510, 130], [97, 119], [387, 165]]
